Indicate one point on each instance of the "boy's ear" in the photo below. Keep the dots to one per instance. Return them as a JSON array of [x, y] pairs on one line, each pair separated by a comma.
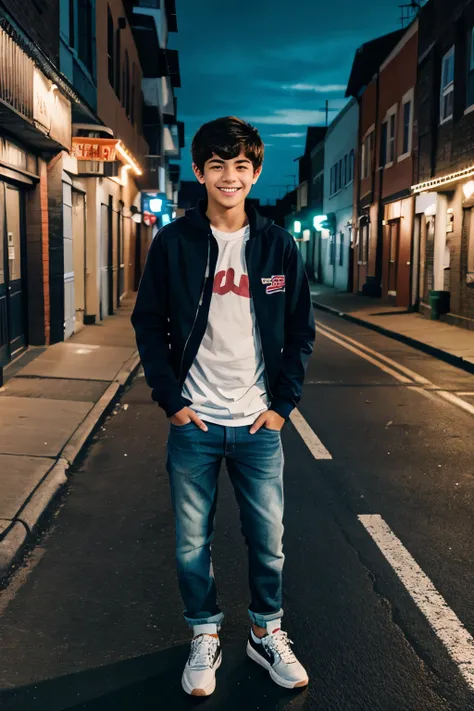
[[256, 174], [198, 174]]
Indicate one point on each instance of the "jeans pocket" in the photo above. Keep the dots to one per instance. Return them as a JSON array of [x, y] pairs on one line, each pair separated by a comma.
[[182, 427]]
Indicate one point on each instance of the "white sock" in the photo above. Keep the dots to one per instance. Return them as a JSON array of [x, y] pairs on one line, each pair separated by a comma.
[[204, 629]]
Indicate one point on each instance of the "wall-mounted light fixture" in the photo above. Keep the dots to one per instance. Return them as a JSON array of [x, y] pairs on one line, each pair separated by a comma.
[[135, 214], [468, 189]]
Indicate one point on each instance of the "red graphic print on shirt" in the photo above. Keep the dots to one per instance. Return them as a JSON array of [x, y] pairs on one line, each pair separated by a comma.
[[224, 284]]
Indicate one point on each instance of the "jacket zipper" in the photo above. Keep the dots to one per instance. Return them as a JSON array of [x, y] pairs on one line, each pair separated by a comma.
[[201, 299], [258, 328]]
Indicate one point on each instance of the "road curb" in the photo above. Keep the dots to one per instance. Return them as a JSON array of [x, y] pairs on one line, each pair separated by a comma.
[[21, 530], [457, 361]]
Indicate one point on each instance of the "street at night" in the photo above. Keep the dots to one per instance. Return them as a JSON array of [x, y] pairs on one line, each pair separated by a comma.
[[91, 621], [236, 355]]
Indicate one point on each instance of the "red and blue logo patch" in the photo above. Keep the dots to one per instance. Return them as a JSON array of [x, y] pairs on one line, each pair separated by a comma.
[[274, 283]]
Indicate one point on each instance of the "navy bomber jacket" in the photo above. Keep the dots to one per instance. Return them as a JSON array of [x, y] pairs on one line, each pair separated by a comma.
[[172, 307]]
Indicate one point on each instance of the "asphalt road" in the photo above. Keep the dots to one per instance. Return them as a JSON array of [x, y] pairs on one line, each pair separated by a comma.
[[92, 620]]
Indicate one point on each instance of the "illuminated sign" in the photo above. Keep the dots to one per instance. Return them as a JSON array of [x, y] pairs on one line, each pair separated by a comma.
[[100, 149]]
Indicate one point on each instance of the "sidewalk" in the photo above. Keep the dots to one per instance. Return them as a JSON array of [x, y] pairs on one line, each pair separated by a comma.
[[48, 409], [450, 343]]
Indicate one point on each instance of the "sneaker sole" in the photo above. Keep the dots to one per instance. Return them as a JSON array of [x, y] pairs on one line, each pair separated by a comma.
[[208, 690], [276, 677]]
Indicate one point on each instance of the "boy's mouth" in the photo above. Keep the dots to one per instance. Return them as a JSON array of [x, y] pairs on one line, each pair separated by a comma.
[[228, 191]]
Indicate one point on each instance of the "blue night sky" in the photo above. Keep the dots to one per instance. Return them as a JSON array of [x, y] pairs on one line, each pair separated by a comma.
[[273, 64]]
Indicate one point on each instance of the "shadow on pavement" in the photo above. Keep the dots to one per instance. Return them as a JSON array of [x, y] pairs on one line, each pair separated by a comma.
[[154, 682]]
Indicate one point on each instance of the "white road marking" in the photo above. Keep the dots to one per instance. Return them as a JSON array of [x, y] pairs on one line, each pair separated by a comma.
[[403, 369], [394, 373], [447, 626], [311, 440], [378, 359]]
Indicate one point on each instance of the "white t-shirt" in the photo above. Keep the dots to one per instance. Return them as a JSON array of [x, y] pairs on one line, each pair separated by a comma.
[[226, 382]]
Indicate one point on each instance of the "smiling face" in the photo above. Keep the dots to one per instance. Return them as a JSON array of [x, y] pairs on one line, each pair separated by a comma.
[[228, 182]]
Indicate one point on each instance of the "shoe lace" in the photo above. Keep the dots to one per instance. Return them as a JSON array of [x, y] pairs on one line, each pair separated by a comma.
[[203, 650], [281, 643]]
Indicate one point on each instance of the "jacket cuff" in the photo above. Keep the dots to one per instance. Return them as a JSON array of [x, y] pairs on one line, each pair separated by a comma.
[[171, 402], [283, 407]]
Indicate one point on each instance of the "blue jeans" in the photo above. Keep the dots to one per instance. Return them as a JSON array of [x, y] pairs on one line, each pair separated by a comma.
[[255, 466]]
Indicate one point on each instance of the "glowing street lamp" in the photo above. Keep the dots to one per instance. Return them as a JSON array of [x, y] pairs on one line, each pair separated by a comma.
[[297, 227]]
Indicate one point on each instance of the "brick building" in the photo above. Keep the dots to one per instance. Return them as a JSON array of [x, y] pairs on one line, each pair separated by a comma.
[[74, 161], [394, 152], [35, 120], [444, 164], [364, 85]]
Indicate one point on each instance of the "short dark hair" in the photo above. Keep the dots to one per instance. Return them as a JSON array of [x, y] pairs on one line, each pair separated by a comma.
[[227, 137]]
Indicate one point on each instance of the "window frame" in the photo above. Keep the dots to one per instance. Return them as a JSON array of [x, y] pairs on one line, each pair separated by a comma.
[[390, 116], [126, 83], [118, 63], [110, 46], [407, 99], [446, 89], [470, 69], [132, 95]]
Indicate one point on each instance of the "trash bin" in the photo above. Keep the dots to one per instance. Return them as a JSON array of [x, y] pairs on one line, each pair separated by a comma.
[[439, 303]]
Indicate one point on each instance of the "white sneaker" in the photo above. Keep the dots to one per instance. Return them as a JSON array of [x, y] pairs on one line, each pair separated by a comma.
[[273, 652], [199, 676]]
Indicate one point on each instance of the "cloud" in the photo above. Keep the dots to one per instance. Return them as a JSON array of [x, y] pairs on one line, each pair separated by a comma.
[[291, 117], [287, 135], [319, 88]]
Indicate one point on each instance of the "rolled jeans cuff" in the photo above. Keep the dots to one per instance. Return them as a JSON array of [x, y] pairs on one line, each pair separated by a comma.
[[261, 620], [213, 620]]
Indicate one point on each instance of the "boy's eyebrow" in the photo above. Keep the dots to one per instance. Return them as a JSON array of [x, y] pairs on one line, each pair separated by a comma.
[[221, 161]]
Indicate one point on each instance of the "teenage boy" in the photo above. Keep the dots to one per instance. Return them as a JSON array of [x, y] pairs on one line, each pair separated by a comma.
[[225, 328]]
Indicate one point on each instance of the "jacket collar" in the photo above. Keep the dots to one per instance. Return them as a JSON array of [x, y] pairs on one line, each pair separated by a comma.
[[198, 218]]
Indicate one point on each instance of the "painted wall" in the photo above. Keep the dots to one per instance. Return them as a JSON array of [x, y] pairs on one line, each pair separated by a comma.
[[341, 139]]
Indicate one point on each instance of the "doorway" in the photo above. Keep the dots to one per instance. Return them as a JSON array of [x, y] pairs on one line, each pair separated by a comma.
[[12, 282], [106, 264], [393, 249], [79, 257]]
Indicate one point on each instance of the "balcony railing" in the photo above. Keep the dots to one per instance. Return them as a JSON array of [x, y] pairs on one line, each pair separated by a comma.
[[16, 76]]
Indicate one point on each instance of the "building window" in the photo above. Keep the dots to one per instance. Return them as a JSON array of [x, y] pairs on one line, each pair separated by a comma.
[[344, 172], [367, 151], [118, 62], [470, 68], [351, 166], [110, 46], [72, 24], [383, 144], [364, 243], [126, 84], [132, 96], [85, 33], [407, 126], [447, 86], [391, 139], [331, 180], [341, 250]]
